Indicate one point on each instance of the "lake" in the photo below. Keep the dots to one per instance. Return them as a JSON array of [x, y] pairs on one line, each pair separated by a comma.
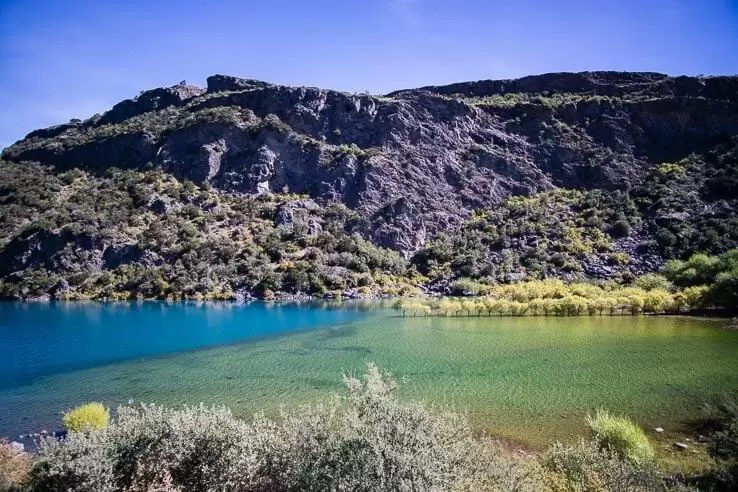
[[529, 379]]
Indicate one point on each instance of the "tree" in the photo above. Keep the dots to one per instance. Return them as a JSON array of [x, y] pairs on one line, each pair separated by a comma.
[[652, 281], [469, 306], [696, 296], [490, 304], [537, 306], [657, 301], [724, 291], [637, 302], [447, 306]]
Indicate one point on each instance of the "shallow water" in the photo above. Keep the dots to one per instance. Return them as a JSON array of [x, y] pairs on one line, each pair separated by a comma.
[[528, 379]]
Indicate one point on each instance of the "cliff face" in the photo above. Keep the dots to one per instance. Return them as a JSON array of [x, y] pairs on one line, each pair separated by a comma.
[[413, 163]]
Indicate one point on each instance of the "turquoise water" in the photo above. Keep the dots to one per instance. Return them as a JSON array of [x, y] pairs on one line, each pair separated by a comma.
[[528, 379]]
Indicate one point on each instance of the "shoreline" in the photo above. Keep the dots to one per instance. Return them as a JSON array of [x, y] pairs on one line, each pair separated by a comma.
[[715, 314]]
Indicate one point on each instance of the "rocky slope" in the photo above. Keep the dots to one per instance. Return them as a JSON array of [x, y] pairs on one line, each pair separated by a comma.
[[418, 163]]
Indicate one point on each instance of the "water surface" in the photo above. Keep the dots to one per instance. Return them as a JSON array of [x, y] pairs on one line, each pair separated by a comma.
[[529, 379]]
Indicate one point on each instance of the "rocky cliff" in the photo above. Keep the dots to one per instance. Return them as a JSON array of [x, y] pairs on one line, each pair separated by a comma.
[[416, 163]]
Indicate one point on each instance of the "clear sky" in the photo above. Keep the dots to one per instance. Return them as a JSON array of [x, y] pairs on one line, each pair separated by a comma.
[[62, 59]]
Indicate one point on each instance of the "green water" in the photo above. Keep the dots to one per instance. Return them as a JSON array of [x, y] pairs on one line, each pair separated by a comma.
[[527, 379]]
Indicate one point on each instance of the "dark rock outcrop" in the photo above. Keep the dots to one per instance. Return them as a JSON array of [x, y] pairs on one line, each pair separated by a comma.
[[412, 163], [151, 100], [614, 84]]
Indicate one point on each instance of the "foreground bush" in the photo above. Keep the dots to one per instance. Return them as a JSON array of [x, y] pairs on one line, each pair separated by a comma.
[[586, 467], [93, 415], [365, 441], [620, 436], [14, 467], [721, 424]]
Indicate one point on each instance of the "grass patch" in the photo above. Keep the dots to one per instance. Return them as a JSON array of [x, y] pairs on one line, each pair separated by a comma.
[[621, 436]]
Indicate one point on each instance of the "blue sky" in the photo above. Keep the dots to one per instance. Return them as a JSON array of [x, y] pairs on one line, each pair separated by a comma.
[[63, 59]]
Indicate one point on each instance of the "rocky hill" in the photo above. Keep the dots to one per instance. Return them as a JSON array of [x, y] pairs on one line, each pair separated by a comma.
[[601, 174]]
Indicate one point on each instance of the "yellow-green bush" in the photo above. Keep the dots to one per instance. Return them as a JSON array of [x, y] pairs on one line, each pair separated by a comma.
[[621, 436], [90, 415], [552, 297]]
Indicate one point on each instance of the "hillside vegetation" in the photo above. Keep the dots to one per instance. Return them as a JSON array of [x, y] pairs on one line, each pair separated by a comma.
[[246, 188], [129, 234]]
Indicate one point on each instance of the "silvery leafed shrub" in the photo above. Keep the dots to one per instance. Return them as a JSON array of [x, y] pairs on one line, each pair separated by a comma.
[[366, 440], [585, 466]]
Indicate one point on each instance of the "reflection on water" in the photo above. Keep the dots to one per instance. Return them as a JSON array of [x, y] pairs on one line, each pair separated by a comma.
[[530, 379]]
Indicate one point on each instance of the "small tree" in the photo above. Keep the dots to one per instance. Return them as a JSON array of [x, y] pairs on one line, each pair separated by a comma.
[[652, 281]]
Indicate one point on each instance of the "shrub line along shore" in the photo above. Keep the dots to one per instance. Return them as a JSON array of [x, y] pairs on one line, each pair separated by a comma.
[[365, 440]]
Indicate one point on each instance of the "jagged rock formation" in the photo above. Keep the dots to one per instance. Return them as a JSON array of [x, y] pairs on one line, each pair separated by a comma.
[[413, 163], [416, 161]]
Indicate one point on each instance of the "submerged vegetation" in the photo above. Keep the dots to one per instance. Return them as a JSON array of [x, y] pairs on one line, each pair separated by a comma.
[[366, 440]]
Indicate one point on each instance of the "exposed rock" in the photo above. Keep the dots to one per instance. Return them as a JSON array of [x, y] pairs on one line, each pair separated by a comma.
[[284, 218], [222, 83], [151, 100], [161, 204], [313, 227], [306, 204], [681, 446], [659, 430], [117, 255], [615, 84], [415, 162], [60, 290], [515, 277]]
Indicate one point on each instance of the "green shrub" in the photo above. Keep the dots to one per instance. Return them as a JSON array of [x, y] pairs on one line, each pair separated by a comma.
[[90, 415], [586, 467], [670, 169], [620, 436], [621, 228], [367, 440], [468, 287], [653, 281], [708, 279], [352, 149], [721, 420], [209, 242]]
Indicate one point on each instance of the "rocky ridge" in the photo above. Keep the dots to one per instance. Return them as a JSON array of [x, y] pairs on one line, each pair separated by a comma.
[[413, 163]]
